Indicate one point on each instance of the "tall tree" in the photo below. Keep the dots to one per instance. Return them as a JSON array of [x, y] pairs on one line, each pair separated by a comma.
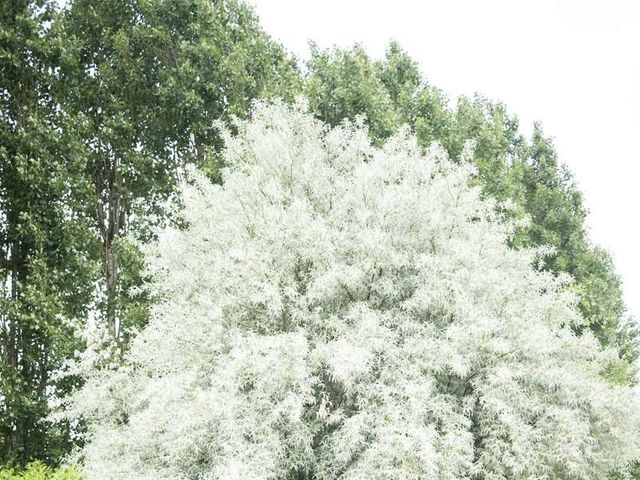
[[45, 272], [149, 78], [558, 216]]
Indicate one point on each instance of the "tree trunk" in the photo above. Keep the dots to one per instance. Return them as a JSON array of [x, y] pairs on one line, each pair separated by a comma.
[[109, 216], [111, 272], [17, 432]]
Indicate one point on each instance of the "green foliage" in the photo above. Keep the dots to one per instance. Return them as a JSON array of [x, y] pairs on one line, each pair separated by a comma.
[[345, 84], [148, 78], [39, 471], [401, 78], [46, 271], [551, 199]]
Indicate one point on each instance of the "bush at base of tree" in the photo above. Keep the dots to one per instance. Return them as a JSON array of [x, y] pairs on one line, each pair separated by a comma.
[[39, 471]]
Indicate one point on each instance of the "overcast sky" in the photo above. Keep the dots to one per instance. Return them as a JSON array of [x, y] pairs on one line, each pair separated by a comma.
[[572, 64]]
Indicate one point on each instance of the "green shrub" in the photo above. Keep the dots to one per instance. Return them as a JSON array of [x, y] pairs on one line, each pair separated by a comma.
[[40, 471]]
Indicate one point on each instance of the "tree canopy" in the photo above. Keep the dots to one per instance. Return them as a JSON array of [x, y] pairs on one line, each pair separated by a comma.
[[392, 92], [338, 310]]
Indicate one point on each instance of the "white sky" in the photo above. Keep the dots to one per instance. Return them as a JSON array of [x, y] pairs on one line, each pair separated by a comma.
[[572, 64]]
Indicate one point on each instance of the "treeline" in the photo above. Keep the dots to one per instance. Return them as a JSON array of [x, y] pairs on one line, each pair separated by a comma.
[[104, 103]]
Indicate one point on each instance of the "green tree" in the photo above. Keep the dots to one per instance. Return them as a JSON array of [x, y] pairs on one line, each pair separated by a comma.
[[402, 80], [45, 271], [558, 216], [499, 147], [143, 82]]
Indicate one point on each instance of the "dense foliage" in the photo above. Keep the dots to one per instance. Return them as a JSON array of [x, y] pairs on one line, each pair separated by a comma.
[[336, 310], [39, 471], [100, 105], [151, 78], [103, 104], [392, 92], [45, 244]]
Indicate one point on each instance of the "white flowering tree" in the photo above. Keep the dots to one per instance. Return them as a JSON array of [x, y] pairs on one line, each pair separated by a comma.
[[338, 311]]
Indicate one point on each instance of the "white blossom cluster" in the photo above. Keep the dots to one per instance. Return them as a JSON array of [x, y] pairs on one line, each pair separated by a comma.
[[340, 311]]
